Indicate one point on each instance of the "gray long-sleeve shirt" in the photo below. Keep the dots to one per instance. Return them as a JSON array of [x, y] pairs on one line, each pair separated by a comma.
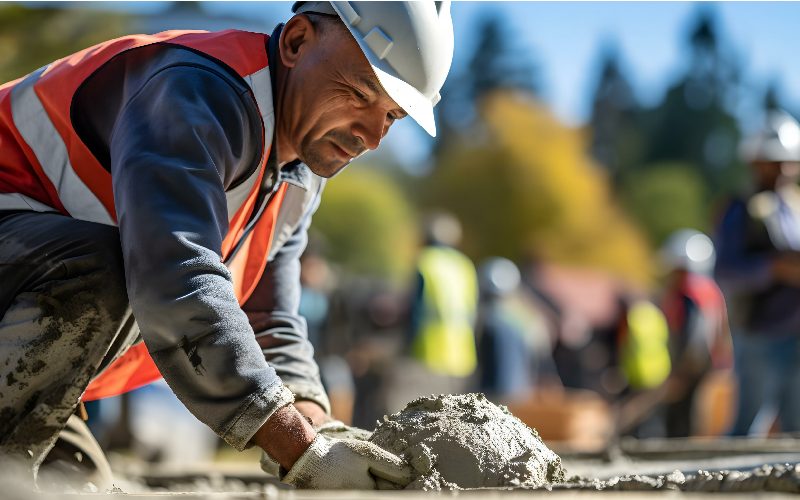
[[176, 130]]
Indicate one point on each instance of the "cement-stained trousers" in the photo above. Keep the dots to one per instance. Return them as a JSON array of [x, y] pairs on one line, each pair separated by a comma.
[[64, 317]]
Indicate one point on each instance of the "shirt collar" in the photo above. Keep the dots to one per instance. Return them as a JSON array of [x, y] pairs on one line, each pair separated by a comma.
[[296, 173]]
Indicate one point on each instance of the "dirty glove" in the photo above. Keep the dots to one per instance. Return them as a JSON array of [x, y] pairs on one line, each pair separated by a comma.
[[331, 463], [339, 430]]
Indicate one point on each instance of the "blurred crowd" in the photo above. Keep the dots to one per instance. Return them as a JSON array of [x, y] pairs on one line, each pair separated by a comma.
[[638, 276]]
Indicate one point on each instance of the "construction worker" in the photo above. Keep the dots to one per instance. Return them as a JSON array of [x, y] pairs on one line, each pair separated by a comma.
[[171, 178], [514, 335], [445, 305], [758, 270], [695, 310]]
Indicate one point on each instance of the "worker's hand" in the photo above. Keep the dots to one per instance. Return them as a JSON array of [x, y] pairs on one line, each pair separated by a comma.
[[331, 464], [339, 430]]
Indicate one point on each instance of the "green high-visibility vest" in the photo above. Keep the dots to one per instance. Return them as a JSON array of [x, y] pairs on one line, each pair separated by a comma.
[[445, 340]]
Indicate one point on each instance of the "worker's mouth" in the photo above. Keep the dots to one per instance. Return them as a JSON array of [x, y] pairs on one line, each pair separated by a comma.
[[341, 153]]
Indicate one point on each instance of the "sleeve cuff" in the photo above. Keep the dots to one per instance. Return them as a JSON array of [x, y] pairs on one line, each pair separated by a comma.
[[310, 392], [255, 414]]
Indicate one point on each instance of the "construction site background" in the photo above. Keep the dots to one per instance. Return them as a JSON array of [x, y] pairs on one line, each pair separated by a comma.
[[582, 212]]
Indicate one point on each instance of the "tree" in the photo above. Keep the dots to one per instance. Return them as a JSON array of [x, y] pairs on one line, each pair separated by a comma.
[[666, 197], [613, 112], [368, 223], [31, 38], [693, 124], [496, 64], [529, 189]]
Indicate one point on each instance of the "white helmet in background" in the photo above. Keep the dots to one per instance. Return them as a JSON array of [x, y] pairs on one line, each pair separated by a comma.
[[498, 276], [408, 44], [690, 250], [777, 140]]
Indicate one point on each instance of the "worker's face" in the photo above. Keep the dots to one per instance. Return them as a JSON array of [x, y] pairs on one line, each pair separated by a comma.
[[334, 104]]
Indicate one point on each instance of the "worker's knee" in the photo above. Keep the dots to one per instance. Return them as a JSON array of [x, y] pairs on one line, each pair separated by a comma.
[[94, 279]]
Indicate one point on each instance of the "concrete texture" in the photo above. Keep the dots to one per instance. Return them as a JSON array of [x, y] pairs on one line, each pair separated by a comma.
[[466, 441]]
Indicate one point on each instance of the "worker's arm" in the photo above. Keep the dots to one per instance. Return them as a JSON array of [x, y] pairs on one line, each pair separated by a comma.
[[280, 330], [172, 150]]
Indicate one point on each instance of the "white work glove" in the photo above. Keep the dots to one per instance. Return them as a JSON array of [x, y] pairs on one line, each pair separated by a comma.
[[340, 430], [332, 464], [333, 429]]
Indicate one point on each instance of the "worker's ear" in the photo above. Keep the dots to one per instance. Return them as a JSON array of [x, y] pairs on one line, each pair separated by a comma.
[[298, 34]]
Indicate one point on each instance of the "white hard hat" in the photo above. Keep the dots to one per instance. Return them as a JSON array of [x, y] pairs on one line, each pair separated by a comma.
[[408, 44], [689, 249], [498, 276], [778, 140]]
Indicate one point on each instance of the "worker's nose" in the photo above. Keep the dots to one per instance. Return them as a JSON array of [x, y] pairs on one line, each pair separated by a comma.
[[371, 127]]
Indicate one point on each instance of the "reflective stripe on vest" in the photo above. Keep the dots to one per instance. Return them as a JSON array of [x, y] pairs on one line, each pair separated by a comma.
[[41, 135]]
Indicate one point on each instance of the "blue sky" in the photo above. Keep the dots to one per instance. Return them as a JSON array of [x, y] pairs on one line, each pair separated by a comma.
[[566, 39]]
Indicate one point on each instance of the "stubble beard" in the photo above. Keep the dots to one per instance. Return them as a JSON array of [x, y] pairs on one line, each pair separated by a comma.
[[325, 164]]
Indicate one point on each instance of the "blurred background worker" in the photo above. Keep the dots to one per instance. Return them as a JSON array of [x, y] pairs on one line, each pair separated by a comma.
[[514, 340], [695, 311], [445, 304], [758, 269], [642, 342], [644, 356]]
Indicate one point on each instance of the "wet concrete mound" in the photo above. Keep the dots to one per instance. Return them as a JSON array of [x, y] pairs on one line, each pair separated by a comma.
[[465, 441]]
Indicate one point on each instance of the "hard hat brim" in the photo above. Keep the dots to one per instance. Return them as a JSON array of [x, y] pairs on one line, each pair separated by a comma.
[[410, 99], [413, 102]]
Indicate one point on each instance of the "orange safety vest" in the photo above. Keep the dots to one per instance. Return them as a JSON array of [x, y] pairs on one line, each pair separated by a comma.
[[45, 167]]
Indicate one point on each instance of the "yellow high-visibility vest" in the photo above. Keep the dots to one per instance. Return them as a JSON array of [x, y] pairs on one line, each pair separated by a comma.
[[445, 341], [645, 354]]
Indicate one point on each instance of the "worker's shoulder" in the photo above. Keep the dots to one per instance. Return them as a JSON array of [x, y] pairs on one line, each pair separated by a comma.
[[132, 69]]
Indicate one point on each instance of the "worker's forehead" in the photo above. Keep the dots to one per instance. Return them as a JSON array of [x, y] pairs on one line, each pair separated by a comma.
[[369, 80]]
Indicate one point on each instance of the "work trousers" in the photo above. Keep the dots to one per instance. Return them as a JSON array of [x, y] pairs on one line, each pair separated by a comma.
[[768, 369], [64, 317]]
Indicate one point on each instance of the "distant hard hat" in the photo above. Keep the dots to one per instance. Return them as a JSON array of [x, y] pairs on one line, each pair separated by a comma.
[[408, 44], [690, 250], [499, 276], [442, 228], [777, 140]]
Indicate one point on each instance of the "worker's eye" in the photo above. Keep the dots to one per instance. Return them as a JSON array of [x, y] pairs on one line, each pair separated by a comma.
[[360, 95]]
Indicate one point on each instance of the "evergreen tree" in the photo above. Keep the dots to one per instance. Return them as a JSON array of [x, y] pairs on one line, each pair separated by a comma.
[[613, 109], [693, 124], [496, 64]]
